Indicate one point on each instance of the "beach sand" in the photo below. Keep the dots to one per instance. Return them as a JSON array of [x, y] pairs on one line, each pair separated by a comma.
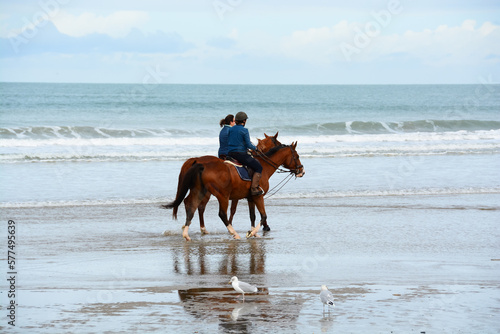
[[401, 264]]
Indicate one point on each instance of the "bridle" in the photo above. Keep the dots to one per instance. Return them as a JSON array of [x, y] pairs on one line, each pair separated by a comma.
[[278, 168]]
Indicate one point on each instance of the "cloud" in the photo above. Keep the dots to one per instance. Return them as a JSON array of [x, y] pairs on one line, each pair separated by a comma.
[[46, 38], [464, 44], [116, 25], [445, 45], [221, 42], [225, 42], [317, 45]]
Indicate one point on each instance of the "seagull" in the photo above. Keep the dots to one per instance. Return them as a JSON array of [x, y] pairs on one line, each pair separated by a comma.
[[326, 297], [242, 287]]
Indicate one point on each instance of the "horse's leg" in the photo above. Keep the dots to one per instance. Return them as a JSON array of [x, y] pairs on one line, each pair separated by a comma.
[[251, 209], [234, 205], [189, 216], [201, 211], [259, 202], [223, 204], [265, 226], [191, 203]]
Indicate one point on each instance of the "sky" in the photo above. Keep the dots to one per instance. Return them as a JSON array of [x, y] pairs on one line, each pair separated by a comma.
[[250, 42]]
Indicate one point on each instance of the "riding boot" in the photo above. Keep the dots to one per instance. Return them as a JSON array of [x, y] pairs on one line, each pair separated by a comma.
[[255, 190]]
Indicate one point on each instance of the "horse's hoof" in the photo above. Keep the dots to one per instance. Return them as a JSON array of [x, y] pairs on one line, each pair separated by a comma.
[[249, 234], [204, 231], [267, 228], [237, 236]]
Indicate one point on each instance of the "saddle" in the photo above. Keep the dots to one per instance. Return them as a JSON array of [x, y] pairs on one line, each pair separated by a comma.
[[244, 172]]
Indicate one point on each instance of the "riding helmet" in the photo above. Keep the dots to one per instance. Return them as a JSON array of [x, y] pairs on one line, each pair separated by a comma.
[[241, 116]]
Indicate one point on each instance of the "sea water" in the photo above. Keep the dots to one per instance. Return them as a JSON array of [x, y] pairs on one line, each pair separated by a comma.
[[397, 212], [84, 144]]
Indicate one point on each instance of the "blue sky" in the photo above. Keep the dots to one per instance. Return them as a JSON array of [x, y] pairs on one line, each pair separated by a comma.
[[250, 42]]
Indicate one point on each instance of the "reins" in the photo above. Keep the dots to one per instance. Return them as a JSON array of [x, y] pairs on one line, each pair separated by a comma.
[[276, 166], [287, 178], [280, 170]]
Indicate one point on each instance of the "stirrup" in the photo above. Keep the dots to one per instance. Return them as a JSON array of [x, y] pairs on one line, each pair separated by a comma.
[[257, 192]]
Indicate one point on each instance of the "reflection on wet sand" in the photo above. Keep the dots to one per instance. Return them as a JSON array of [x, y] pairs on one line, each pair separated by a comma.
[[229, 258], [224, 303], [327, 322], [222, 300], [236, 316]]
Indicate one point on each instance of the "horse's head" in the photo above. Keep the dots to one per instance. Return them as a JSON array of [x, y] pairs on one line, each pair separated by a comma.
[[293, 162], [264, 145]]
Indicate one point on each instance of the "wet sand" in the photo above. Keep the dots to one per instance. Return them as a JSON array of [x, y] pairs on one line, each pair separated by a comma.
[[394, 264]]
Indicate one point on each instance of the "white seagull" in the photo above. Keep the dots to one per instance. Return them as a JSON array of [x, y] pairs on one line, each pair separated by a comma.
[[242, 287], [326, 297]]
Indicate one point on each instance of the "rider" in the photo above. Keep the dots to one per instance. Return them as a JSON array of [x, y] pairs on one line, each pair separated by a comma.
[[239, 143], [225, 124]]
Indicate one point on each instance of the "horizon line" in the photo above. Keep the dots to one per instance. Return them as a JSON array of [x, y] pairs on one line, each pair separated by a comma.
[[244, 84]]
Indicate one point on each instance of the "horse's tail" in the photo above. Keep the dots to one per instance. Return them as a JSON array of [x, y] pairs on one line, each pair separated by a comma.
[[184, 169], [185, 183]]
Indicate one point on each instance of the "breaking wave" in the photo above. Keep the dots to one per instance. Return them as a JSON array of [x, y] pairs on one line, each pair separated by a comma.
[[337, 128], [63, 144]]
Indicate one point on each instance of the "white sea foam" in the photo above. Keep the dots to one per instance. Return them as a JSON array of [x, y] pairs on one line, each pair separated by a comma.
[[394, 192], [174, 148], [307, 139], [126, 141], [67, 203], [280, 195]]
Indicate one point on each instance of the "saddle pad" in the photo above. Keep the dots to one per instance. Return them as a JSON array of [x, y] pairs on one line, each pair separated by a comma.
[[233, 163], [242, 171]]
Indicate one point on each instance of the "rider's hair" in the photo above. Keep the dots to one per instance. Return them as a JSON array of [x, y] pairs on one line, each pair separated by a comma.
[[226, 121]]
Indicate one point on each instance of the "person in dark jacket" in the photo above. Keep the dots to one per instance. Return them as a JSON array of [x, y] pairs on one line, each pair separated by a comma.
[[225, 124], [239, 143]]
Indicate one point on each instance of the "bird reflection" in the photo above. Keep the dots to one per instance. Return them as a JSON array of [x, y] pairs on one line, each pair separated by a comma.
[[327, 322], [242, 310], [233, 316]]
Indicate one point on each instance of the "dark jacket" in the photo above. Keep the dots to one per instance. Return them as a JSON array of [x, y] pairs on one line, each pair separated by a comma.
[[223, 140], [239, 139]]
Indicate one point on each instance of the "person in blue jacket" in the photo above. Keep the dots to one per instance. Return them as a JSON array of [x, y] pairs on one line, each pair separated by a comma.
[[225, 124], [239, 143]]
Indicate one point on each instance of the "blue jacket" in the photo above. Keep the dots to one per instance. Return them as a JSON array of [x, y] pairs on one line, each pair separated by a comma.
[[223, 140], [239, 139]]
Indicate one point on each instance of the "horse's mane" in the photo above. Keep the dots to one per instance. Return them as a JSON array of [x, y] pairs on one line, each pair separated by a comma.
[[275, 149]]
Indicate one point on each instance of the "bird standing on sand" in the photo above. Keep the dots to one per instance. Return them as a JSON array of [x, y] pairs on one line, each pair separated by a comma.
[[326, 298], [242, 287]]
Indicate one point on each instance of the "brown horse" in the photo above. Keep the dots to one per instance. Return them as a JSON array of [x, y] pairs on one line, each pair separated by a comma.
[[222, 181], [264, 145]]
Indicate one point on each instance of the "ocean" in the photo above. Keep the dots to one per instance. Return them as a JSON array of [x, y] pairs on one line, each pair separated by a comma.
[[397, 213], [72, 144]]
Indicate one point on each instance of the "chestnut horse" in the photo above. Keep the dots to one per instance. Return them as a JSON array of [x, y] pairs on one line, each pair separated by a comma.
[[222, 181], [264, 145]]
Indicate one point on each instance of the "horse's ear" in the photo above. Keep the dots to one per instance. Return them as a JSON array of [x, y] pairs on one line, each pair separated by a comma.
[[266, 135], [276, 135], [294, 145], [259, 141]]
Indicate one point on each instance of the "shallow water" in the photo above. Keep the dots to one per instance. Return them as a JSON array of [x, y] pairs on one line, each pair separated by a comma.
[[395, 263], [397, 214]]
